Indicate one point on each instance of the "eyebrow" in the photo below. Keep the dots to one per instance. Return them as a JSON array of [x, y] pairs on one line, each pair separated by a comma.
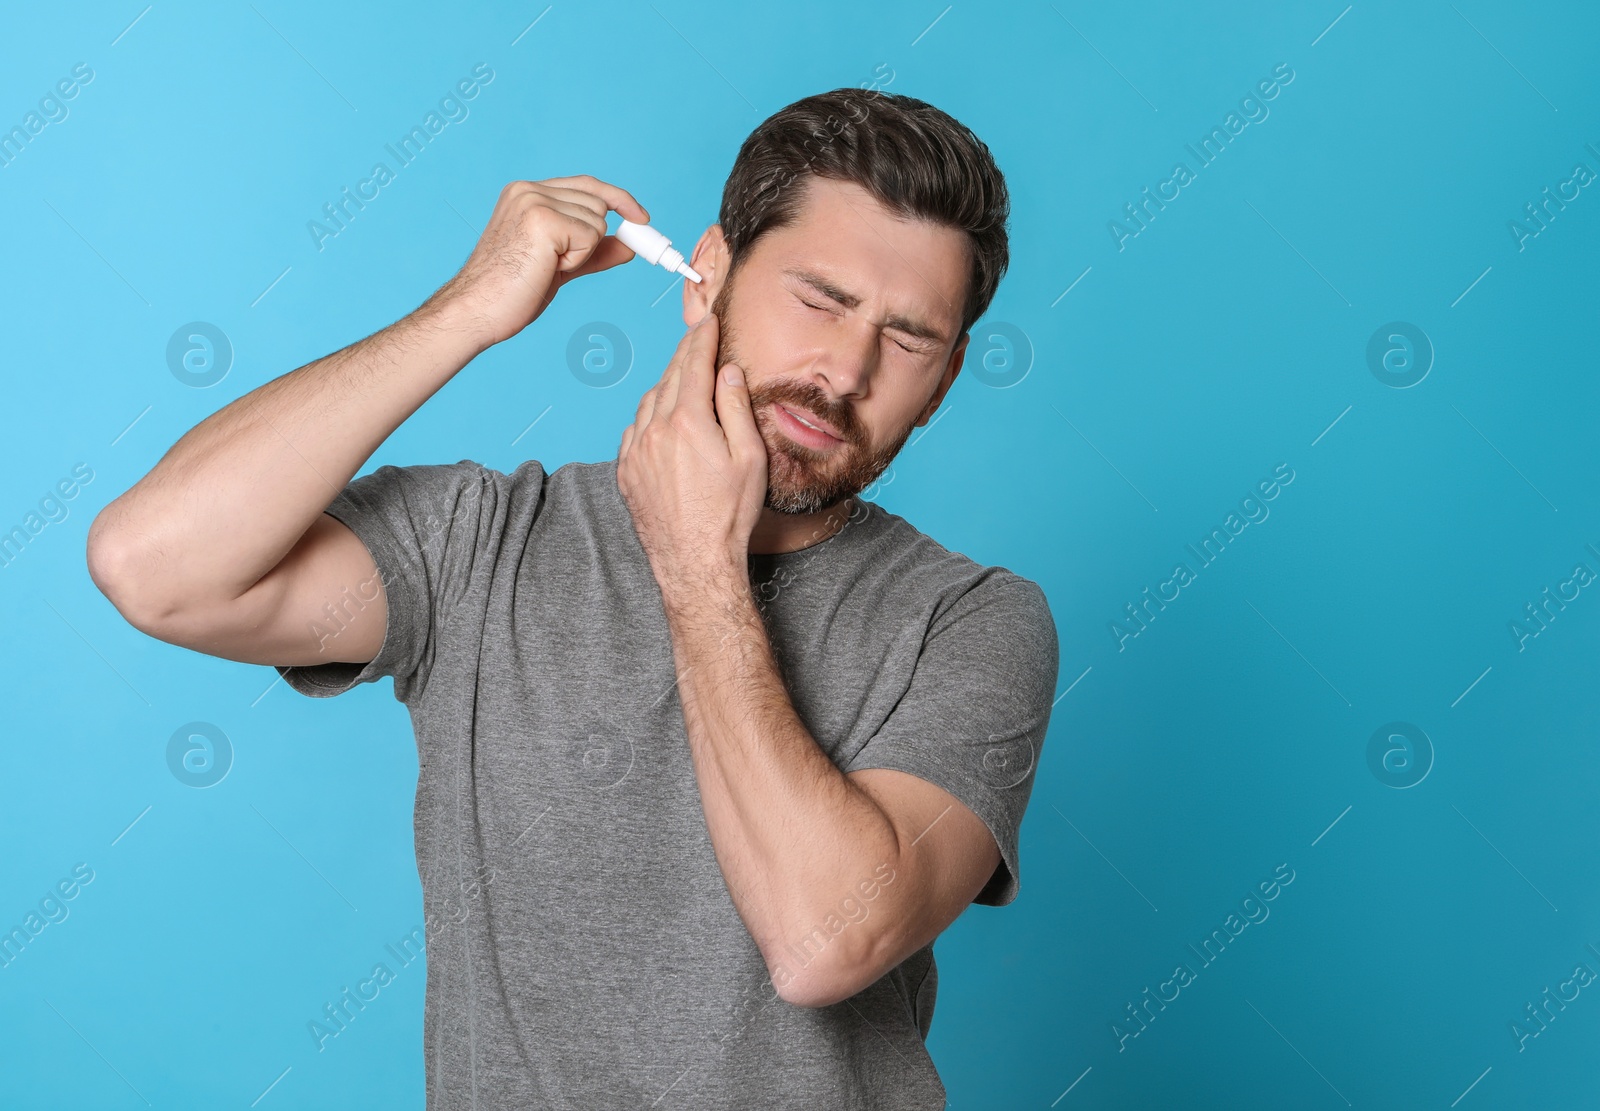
[[908, 324]]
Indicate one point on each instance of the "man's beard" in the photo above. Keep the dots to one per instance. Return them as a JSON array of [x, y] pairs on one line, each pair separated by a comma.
[[802, 480]]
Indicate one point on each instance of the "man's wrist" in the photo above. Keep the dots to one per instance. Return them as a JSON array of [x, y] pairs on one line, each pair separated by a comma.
[[448, 313], [714, 588]]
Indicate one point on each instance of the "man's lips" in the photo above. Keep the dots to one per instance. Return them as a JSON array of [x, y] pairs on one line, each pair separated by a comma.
[[811, 419]]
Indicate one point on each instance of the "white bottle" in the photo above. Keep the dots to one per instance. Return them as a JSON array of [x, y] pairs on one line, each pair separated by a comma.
[[650, 245]]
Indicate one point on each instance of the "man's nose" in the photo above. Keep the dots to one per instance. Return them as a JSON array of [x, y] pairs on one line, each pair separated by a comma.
[[849, 363]]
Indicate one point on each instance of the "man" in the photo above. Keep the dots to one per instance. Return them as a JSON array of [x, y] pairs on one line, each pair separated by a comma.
[[710, 750]]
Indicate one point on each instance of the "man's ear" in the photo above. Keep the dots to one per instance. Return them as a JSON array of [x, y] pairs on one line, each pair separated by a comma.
[[952, 368], [710, 261]]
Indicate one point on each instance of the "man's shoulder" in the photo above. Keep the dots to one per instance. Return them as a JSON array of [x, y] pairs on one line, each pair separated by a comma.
[[460, 473], [912, 556], [573, 476]]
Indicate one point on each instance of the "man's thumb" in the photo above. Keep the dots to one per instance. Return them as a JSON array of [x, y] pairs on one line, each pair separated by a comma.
[[609, 252], [732, 398]]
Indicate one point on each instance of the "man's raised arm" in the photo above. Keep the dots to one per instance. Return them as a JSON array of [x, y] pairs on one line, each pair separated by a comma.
[[223, 547]]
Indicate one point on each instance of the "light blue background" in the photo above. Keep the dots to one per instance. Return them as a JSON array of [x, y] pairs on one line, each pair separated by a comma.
[[1229, 336]]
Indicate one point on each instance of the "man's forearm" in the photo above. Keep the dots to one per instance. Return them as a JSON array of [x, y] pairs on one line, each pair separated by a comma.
[[234, 494], [792, 834]]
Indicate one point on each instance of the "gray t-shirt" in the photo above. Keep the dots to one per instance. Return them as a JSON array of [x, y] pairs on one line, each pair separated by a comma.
[[582, 948]]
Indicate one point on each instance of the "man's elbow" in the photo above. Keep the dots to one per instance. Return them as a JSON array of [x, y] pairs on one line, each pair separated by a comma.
[[115, 568], [828, 978], [814, 988], [126, 569]]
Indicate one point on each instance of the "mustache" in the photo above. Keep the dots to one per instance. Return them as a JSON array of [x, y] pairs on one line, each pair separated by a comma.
[[808, 395]]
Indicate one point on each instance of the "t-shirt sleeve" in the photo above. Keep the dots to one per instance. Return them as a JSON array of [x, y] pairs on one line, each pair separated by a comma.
[[427, 527], [973, 719]]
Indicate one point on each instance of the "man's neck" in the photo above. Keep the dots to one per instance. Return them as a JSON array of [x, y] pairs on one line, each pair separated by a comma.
[[785, 532]]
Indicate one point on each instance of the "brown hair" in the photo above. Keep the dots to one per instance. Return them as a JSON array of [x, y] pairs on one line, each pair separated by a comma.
[[916, 160]]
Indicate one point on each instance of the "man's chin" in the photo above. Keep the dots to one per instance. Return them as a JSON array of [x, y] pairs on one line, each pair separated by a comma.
[[799, 503], [791, 491]]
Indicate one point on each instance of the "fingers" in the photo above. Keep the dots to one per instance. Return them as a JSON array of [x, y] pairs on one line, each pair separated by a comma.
[[578, 212], [696, 382], [578, 242], [688, 376], [733, 413], [616, 199], [609, 252], [588, 248], [697, 349], [646, 410]]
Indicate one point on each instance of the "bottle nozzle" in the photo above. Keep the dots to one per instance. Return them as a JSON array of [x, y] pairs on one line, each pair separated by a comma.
[[654, 247]]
